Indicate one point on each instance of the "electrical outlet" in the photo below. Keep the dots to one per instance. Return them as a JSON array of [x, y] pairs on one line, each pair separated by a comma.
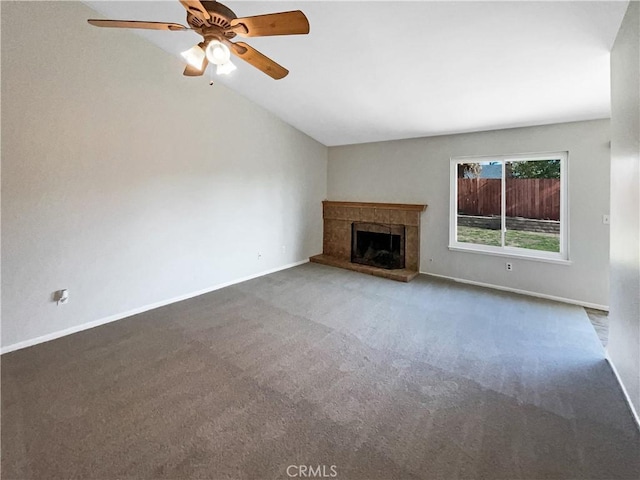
[[605, 219], [509, 267], [259, 255]]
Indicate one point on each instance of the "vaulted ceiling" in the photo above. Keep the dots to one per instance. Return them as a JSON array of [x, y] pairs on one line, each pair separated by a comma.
[[378, 70]]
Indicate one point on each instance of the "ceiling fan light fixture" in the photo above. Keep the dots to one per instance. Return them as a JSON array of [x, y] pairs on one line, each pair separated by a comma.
[[217, 52], [225, 68], [194, 56], [217, 24]]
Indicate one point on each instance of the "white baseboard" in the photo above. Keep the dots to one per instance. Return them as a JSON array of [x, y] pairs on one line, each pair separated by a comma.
[[522, 292], [135, 311], [624, 391]]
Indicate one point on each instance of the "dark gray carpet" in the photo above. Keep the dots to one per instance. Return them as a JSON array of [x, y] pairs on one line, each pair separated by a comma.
[[320, 366]]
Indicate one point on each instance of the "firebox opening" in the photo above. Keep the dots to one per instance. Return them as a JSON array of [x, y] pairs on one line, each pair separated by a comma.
[[378, 248]]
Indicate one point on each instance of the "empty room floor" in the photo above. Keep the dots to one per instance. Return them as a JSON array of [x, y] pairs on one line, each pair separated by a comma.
[[319, 366]]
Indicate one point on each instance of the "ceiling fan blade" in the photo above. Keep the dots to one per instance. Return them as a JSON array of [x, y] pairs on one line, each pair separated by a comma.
[[196, 8], [135, 24], [284, 23], [191, 71], [258, 60]]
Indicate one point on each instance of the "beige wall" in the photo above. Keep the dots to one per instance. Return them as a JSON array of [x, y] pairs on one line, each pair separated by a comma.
[[624, 333], [417, 171], [129, 184]]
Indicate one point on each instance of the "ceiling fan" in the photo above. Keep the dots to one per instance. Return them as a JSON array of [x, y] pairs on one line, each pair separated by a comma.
[[217, 24]]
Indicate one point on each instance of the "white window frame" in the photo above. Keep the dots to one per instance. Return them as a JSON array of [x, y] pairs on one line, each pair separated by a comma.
[[561, 257]]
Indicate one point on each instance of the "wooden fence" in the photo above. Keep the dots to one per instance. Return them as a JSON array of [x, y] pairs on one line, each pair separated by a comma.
[[529, 198]]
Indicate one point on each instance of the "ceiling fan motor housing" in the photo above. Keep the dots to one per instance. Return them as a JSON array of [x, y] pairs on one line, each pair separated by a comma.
[[221, 17]]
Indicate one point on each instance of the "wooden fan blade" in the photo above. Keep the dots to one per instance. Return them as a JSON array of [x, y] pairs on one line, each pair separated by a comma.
[[135, 24], [258, 60], [191, 71], [195, 7], [284, 23]]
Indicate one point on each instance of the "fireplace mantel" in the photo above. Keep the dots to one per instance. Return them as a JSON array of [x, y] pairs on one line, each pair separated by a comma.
[[338, 218], [386, 206]]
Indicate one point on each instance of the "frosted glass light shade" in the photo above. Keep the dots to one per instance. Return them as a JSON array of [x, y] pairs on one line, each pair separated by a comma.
[[225, 68], [194, 57], [217, 53]]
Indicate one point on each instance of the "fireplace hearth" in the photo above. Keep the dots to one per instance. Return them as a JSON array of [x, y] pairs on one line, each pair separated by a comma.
[[378, 245]]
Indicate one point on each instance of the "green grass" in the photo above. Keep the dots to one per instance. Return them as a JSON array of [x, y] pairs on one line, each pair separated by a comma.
[[548, 242], [483, 236]]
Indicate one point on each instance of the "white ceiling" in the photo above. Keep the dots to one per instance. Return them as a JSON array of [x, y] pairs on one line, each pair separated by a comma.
[[374, 71]]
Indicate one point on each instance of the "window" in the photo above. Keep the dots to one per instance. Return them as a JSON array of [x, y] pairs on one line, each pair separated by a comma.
[[512, 205]]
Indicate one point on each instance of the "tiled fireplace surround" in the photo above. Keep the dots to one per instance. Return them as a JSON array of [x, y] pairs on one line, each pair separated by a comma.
[[338, 218]]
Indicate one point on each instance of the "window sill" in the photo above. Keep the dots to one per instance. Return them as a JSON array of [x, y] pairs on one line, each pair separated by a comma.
[[511, 254]]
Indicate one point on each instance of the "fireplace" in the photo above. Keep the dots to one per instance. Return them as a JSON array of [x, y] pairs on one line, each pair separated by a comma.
[[381, 239], [378, 245]]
